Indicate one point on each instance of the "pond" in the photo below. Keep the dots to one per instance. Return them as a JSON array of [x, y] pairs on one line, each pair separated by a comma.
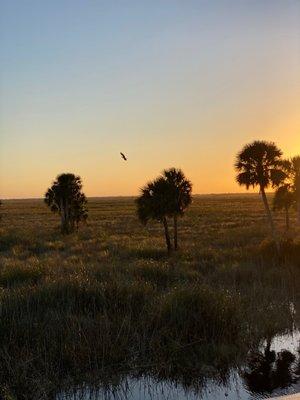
[[272, 370]]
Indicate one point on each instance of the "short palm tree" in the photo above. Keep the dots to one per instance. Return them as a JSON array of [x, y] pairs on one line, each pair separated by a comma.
[[66, 198], [180, 193], [153, 203], [284, 199], [168, 196], [260, 164], [79, 211]]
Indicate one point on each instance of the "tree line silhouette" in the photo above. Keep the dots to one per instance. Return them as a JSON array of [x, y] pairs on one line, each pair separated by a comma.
[[258, 164]]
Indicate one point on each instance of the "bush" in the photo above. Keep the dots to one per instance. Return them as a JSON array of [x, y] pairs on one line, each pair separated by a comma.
[[191, 314]]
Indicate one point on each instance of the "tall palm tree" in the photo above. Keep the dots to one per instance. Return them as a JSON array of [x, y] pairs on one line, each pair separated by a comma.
[[292, 168], [180, 193], [284, 199], [65, 197], [153, 203], [260, 164]]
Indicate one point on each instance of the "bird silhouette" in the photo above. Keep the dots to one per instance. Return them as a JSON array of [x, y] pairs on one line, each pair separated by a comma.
[[123, 156]]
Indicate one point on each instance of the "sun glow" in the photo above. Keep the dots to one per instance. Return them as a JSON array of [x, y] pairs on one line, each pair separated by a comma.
[[168, 94]]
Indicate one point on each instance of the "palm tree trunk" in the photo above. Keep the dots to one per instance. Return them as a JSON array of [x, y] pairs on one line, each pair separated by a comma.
[[287, 219], [175, 233], [68, 222], [297, 190], [65, 216], [167, 235], [62, 216], [269, 216]]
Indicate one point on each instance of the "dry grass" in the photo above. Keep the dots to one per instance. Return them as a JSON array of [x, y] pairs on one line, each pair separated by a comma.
[[108, 297]]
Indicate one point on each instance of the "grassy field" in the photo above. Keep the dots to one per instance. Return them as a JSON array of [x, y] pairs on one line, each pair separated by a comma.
[[75, 308]]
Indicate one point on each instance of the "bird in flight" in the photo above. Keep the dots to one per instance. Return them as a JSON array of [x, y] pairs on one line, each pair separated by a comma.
[[123, 156]]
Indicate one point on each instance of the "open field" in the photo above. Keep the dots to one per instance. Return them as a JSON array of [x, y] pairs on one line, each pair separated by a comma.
[[74, 308]]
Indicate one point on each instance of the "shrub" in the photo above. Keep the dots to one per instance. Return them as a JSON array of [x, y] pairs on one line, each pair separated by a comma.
[[190, 314]]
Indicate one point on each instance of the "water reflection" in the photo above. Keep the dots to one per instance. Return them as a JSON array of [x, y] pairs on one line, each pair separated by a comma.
[[273, 369], [269, 370]]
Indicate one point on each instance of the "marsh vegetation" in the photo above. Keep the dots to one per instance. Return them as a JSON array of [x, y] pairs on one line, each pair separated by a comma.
[[108, 298]]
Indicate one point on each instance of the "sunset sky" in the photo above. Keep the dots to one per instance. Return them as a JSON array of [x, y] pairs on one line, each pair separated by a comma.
[[169, 83]]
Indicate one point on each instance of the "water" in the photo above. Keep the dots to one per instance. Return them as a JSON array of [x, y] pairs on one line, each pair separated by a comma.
[[271, 371]]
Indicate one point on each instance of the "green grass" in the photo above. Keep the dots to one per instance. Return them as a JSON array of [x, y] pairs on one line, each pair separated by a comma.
[[109, 299]]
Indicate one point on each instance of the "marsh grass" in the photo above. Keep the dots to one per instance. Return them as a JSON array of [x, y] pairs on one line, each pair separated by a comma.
[[109, 299]]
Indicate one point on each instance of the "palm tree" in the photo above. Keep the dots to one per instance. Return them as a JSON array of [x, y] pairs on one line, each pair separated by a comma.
[[79, 210], [284, 199], [292, 168], [153, 203], [65, 197], [260, 164], [180, 193], [168, 196]]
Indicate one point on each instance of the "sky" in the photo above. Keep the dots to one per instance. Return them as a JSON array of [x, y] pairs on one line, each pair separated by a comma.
[[170, 83]]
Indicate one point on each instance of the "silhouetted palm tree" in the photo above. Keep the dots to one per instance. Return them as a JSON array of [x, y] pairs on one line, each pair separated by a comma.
[[292, 168], [260, 164], [168, 196], [153, 203], [180, 193], [79, 211], [65, 197], [284, 199]]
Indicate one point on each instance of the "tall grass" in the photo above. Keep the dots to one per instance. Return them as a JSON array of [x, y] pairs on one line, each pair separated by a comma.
[[108, 299]]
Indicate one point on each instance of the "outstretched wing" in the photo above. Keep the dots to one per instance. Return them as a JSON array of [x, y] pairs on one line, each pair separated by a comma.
[[123, 156]]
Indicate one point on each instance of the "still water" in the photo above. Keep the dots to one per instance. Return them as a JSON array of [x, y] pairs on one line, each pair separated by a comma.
[[272, 371]]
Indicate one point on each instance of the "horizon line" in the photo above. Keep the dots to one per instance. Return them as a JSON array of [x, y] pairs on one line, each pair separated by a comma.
[[132, 196]]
